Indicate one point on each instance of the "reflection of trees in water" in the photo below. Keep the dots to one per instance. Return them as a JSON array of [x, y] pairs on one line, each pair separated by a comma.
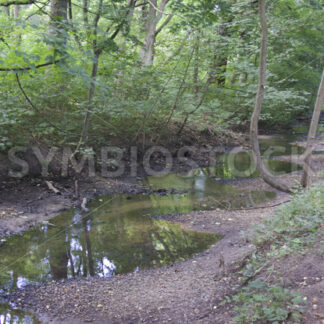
[[120, 240], [58, 255], [9, 315], [88, 245]]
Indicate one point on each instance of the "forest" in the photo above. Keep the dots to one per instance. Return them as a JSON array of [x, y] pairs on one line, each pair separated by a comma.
[[140, 72], [139, 138]]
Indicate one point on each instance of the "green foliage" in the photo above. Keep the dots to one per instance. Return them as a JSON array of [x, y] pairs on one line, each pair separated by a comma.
[[294, 221], [260, 302], [134, 102]]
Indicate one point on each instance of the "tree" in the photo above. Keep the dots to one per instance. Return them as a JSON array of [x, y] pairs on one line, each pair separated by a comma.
[[97, 51], [58, 11], [265, 174], [307, 172], [153, 17]]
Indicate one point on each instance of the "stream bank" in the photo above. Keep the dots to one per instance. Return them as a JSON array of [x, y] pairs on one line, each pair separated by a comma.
[[185, 292], [188, 292]]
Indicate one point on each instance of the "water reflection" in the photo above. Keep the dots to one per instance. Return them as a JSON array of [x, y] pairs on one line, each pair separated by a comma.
[[231, 166], [114, 239], [288, 143], [9, 315], [241, 165]]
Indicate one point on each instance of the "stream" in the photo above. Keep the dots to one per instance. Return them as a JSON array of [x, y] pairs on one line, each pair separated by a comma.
[[124, 232]]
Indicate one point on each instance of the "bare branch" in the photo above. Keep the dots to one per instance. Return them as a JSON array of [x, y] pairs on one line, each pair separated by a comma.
[[161, 10], [163, 24], [158, 10], [40, 9], [141, 4]]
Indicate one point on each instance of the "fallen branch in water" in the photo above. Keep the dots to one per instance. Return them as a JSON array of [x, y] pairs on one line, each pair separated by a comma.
[[84, 205], [76, 188], [51, 187]]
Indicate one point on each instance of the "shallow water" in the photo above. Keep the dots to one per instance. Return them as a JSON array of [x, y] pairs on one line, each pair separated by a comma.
[[278, 145], [118, 236], [9, 315], [230, 166], [285, 144], [122, 234]]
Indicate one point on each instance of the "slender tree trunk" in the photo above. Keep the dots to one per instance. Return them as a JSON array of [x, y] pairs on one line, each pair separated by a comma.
[[86, 125], [264, 173], [306, 179], [7, 9], [181, 89], [97, 52], [58, 11], [85, 12], [196, 68], [70, 9], [148, 52], [16, 11], [153, 17], [219, 63]]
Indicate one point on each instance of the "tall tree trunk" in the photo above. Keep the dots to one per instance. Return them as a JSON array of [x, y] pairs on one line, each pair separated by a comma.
[[86, 125], [152, 18], [7, 9], [219, 62], [58, 11], [85, 12], [97, 52], [306, 179], [264, 173], [16, 11], [58, 15], [70, 9], [196, 67], [148, 51]]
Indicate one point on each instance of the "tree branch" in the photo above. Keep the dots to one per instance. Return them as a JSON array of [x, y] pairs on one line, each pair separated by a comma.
[[36, 108], [158, 10], [141, 4], [163, 25], [16, 2], [161, 10], [27, 68]]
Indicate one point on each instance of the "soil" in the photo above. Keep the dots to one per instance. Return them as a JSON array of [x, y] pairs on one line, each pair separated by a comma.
[[186, 292]]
